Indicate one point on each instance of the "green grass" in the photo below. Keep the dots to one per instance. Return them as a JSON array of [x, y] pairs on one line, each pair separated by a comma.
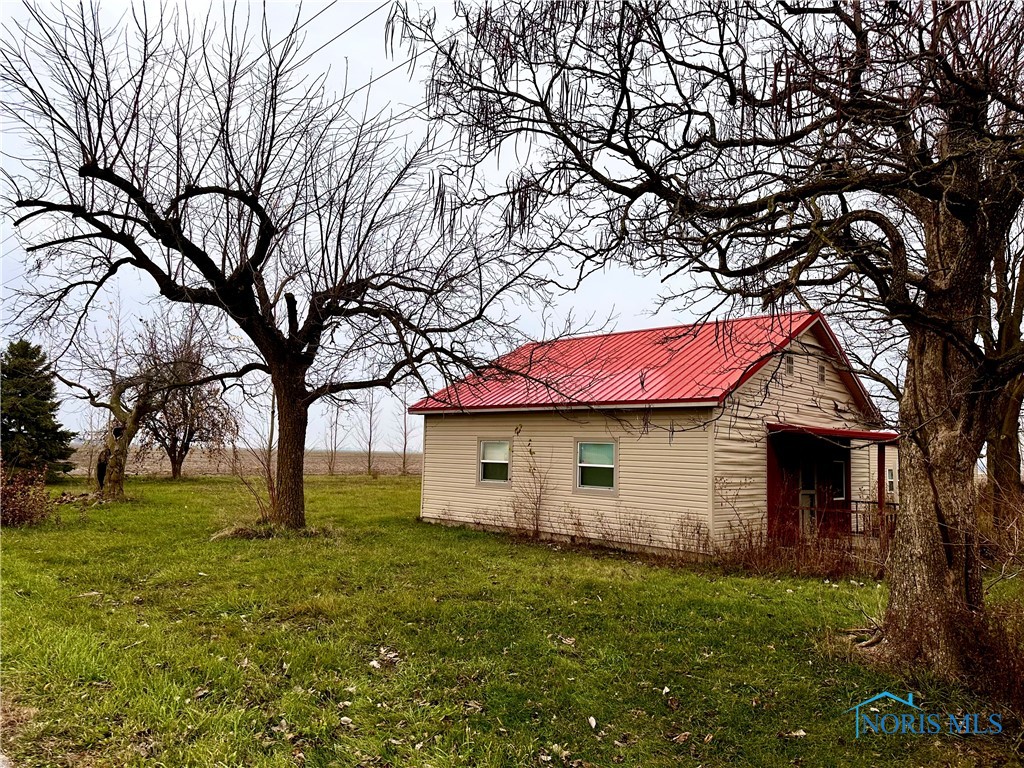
[[139, 641]]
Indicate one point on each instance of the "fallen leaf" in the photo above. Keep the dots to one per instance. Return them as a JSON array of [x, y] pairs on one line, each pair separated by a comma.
[[592, 721], [708, 738], [681, 738], [375, 664], [797, 734]]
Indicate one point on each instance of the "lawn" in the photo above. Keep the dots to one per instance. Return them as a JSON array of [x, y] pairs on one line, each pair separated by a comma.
[[129, 637]]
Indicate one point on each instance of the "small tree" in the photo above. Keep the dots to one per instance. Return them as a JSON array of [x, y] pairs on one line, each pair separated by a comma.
[[335, 434], [406, 428], [185, 415], [30, 435], [369, 428]]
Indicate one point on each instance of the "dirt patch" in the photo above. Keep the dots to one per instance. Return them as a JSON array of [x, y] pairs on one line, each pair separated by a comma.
[[13, 718], [267, 532]]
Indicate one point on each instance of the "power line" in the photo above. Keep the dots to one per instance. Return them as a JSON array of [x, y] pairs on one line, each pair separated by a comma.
[[349, 28], [395, 68]]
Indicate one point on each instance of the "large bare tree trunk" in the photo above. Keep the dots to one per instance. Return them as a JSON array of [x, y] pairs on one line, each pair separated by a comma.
[[933, 568], [289, 508], [1004, 461], [119, 441]]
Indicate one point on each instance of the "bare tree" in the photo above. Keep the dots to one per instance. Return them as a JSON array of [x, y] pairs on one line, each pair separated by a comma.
[[369, 426], [201, 156], [259, 446], [184, 415], [103, 369], [335, 434], [1005, 328], [406, 427], [773, 154]]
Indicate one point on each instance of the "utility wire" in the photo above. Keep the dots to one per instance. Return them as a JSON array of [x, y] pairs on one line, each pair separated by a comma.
[[349, 28]]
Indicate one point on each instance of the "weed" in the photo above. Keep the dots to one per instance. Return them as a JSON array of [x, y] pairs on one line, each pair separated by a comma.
[[24, 499]]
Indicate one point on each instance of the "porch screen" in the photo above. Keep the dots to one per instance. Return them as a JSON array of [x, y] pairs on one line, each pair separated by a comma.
[[595, 466]]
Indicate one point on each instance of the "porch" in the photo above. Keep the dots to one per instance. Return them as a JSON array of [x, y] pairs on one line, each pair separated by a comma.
[[811, 488]]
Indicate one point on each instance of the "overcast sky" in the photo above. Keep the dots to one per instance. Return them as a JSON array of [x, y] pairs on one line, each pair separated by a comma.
[[356, 57]]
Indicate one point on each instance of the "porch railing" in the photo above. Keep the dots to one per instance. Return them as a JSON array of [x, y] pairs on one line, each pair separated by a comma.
[[866, 519]]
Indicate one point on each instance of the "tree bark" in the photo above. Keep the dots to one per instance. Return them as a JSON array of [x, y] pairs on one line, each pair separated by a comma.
[[933, 568], [288, 508], [1004, 460], [176, 463], [119, 445]]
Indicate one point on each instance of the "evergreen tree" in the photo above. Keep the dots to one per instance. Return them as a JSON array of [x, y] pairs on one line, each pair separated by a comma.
[[30, 435]]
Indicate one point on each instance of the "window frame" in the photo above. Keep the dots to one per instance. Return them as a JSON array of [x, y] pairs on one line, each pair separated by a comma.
[[788, 364], [822, 372], [598, 489], [843, 464], [890, 480], [480, 479]]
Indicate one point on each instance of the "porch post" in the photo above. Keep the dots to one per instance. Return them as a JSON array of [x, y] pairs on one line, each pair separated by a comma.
[[881, 479]]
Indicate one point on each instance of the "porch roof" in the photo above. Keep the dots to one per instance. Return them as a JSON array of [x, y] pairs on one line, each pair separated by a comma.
[[874, 435]]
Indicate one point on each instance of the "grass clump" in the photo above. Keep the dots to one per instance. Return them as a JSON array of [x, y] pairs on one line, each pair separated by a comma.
[[136, 640]]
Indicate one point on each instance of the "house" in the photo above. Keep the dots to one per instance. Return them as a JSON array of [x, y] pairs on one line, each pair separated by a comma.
[[664, 439]]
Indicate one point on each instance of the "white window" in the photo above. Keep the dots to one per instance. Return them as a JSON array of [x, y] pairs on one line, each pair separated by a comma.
[[494, 461], [890, 480], [595, 465], [838, 480], [821, 372], [788, 364]]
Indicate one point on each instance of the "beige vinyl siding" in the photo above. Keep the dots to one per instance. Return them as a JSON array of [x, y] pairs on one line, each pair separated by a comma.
[[663, 484], [740, 437], [864, 466]]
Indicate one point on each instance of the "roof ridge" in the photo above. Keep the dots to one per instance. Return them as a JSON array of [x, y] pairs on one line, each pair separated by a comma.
[[696, 324]]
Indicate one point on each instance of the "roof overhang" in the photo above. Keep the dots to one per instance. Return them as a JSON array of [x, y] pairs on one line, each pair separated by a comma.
[[453, 409], [873, 435]]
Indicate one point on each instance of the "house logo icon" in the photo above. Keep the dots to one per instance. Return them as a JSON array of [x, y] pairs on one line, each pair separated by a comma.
[[907, 702]]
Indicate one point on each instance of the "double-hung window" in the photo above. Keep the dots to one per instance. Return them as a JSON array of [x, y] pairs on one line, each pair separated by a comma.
[[494, 461], [890, 481], [595, 465]]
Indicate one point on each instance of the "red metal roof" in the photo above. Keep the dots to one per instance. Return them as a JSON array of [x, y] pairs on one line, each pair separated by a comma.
[[684, 364]]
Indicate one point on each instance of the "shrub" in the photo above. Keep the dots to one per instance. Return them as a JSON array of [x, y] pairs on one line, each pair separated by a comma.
[[995, 643], [24, 499], [751, 549]]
